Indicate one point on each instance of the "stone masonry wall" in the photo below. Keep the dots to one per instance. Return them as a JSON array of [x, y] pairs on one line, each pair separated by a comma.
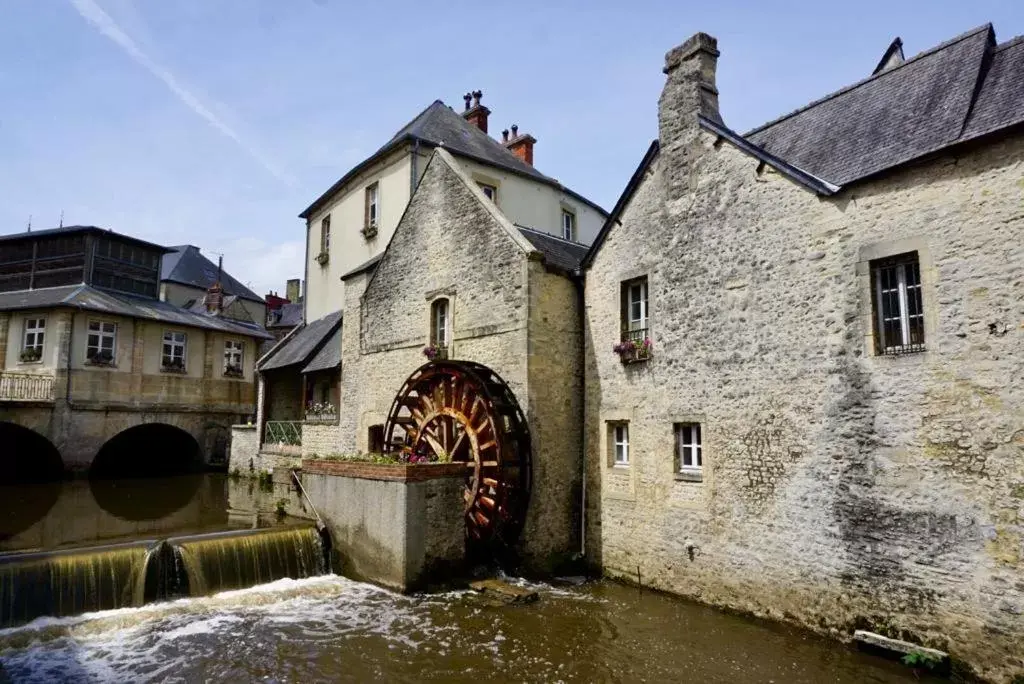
[[319, 439], [245, 447], [841, 489]]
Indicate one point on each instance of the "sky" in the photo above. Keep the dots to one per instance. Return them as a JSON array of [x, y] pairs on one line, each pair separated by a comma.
[[215, 122]]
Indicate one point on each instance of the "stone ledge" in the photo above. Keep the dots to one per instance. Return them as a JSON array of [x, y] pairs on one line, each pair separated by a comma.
[[243, 427], [397, 472]]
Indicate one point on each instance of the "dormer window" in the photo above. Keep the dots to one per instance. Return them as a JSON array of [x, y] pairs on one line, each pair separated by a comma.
[[372, 210], [490, 192], [568, 225]]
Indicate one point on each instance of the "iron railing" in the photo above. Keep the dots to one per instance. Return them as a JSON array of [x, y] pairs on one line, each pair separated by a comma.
[[284, 432], [634, 345], [26, 386]]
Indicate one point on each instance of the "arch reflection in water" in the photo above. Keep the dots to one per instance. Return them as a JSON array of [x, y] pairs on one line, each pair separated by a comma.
[[140, 499], [27, 456], [23, 505]]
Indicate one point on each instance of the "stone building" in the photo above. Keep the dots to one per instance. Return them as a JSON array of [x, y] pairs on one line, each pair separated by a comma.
[[814, 409], [94, 367]]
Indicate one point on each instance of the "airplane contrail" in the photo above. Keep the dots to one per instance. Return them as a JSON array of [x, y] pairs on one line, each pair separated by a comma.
[[106, 25]]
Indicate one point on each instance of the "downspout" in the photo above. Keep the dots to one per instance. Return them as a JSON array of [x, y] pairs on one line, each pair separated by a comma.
[[414, 165], [582, 319], [304, 285]]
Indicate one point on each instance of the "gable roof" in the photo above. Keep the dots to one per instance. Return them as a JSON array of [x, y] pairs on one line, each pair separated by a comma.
[[287, 316], [187, 265], [440, 126], [91, 299], [560, 254], [954, 92], [303, 343]]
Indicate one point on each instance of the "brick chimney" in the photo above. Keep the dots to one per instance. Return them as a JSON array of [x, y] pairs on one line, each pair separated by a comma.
[[475, 112], [214, 299], [291, 290], [689, 91], [519, 145]]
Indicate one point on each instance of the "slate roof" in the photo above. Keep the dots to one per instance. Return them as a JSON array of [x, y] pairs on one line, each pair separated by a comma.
[[288, 316], [440, 126], [329, 356], [954, 92], [92, 299], [563, 255], [305, 343], [187, 265], [365, 266]]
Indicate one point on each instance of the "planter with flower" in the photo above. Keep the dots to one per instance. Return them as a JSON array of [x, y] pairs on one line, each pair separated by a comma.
[[633, 350], [31, 355], [321, 412], [233, 370], [101, 357], [436, 352], [173, 366]]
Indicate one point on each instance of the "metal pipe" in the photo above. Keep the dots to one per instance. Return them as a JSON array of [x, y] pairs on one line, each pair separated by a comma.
[[319, 521]]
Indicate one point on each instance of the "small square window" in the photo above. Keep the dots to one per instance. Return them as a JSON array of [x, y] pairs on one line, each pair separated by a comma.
[[618, 444], [689, 450], [490, 191], [568, 225], [898, 304]]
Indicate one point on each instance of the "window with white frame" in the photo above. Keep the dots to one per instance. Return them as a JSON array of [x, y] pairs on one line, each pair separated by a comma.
[[234, 354], [175, 345], [32, 339], [899, 305], [35, 332], [568, 225], [439, 323], [490, 192], [325, 234], [689, 456], [634, 311], [620, 444], [100, 342], [372, 206]]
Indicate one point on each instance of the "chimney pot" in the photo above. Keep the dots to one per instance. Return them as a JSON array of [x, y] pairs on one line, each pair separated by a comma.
[[477, 94], [504, 135], [515, 131], [467, 97]]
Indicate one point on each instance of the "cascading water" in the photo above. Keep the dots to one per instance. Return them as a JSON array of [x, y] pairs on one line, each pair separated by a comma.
[[71, 582], [102, 578]]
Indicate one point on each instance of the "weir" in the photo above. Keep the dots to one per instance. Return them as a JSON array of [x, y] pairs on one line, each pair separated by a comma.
[[74, 581]]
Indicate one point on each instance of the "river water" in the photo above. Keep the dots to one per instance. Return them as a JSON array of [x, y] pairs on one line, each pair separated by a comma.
[[332, 629]]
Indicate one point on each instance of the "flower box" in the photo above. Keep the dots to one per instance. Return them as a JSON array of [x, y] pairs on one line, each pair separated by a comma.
[[435, 352], [102, 359], [369, 231], [322, 258], [31, 355], [173, 367], [233, 372], [633, 350]]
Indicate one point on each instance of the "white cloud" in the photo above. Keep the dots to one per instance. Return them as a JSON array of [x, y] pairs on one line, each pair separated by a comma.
[[260, 265], [106, 25]]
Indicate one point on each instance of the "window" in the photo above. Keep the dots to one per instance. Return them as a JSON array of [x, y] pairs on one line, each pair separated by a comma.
[[173, 358], [234, 353], [620, 444], [634, 311], [372, 207], [35, 331], [440, 325], [899, 308], [689, 458], [375, 439], [101, 342], [490, 191], [32, 340], [568, 225], [325, 234]]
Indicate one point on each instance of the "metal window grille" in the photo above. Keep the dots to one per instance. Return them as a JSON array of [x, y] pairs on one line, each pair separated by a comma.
[[899, 306], [284, 432], [688, 447]]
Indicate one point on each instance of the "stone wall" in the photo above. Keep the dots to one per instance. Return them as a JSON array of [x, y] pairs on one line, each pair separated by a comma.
[[319, 439], [245, 448], [841, 489], [398, 526]]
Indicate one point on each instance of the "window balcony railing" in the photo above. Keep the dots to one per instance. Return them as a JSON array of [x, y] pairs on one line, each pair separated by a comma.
[[26, 386], [634, 345], [436, 352], [284, 432]]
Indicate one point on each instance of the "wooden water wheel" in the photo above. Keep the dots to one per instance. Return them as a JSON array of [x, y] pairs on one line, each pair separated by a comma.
[[463, 412]]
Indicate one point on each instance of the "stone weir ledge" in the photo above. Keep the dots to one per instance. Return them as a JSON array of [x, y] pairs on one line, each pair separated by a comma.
[[398, 525]]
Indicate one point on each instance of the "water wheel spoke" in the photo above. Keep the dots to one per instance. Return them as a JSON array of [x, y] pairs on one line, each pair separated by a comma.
[[435, 445], [458, 443]]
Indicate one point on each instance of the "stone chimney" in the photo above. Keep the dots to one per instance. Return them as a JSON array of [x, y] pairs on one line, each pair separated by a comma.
[[475, 112], [519, 145], [292, 290], [689, 92]]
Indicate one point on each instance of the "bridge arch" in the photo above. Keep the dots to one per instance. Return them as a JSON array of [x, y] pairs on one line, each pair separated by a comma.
[[148, 450], [27, 456]]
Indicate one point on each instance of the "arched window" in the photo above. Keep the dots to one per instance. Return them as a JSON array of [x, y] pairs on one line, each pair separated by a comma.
[[440, 326]]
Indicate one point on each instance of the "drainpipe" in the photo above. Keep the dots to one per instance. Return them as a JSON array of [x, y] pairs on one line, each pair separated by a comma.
[[415, 160], [582, 318]]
